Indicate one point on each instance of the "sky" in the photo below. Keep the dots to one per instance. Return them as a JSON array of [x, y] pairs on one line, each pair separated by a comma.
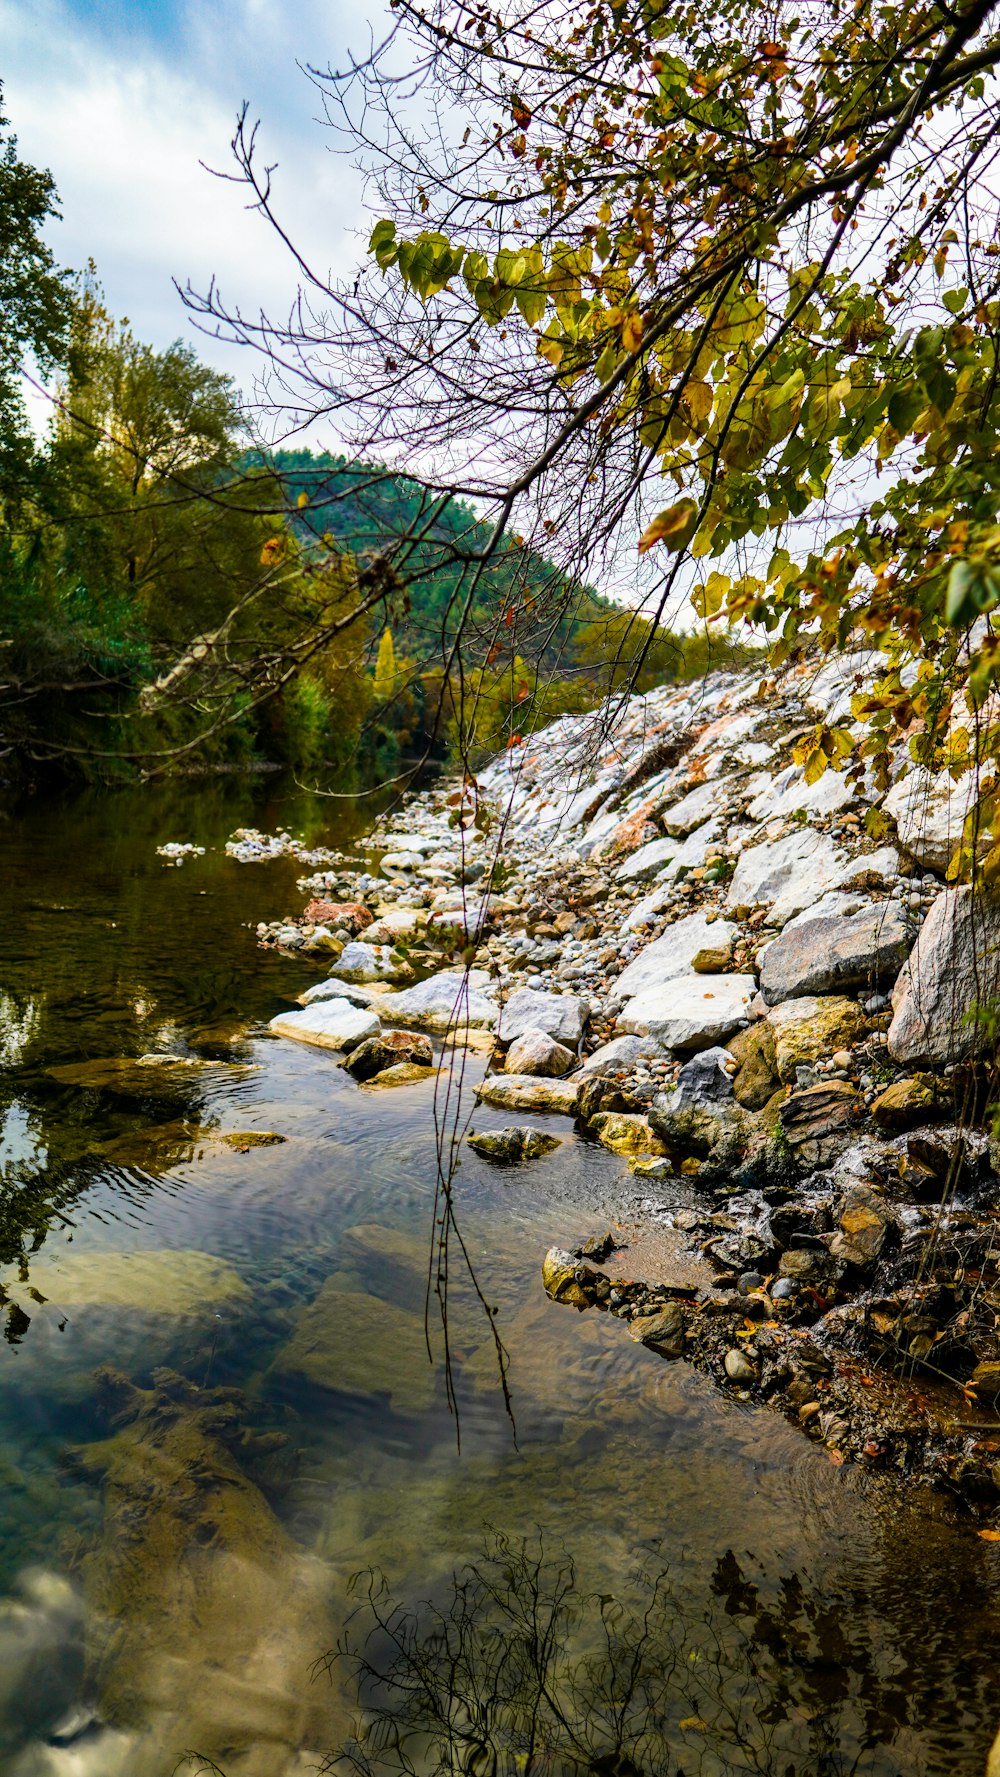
[[123, 99]]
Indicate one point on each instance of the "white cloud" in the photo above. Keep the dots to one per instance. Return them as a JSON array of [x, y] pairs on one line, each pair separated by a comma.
[[123, 122]]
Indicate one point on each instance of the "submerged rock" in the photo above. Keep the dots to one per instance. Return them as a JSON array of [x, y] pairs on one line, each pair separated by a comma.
[[350, 1343], [950, 981], [145, 1076], [510, 1146], [327, 1024], [208, 1614], [401, 1073], [165, 1282]]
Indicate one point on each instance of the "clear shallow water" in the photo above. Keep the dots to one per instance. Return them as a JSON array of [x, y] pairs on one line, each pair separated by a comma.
[[799, 1618]]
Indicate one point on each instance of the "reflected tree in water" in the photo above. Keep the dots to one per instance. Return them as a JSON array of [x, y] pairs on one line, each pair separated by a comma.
[[520, 1674]]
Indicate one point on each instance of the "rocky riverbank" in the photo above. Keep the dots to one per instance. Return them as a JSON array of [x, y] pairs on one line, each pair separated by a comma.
[[759, 990]]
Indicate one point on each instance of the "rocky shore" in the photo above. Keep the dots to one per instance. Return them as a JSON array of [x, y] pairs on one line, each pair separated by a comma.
[[763, 993]]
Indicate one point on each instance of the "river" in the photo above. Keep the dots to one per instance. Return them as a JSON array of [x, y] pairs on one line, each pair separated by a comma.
[[650, 1577]]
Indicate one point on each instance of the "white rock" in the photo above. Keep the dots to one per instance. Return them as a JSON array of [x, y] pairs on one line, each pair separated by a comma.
[[621, 1055], [699, 805], [535, 1052], [672, 954], [560, 1015], [328, 1024], [402, 860], [670, 856], [929, 813], [692, 1011], [787, 791], [371, 962], [872, 869], [786, 874], [451, 998], [838, 904], [411, 842]]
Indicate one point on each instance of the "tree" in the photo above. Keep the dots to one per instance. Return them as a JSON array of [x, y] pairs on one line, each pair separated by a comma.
[[35, 301], [748, 252], [386, 670]]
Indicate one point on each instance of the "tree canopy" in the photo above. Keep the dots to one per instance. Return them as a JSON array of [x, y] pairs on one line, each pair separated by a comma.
[[721, 281]]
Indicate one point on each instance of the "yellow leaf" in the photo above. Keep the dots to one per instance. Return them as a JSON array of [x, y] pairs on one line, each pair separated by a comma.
[[303, 500], [987, 1536], [816, 764], [697, 398], [989, 869], [272, 551], [694, 1721], [632, 331], [674, 526]]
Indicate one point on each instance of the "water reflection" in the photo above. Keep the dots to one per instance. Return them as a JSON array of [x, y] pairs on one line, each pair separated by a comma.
[[517, 1672]]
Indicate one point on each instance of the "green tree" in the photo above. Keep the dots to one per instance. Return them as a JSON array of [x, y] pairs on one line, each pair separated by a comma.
[[387, 677], [35, 302]]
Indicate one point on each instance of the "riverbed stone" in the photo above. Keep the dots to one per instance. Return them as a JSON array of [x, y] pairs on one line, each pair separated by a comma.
[[807, 1029], [662, 1332], [559, 1276], [327, 1024], [510, 1146], [401, 1073], [830, 955], [388, 1050], [689, 944], [365, 963], [170, 1282], [448, 1000], [690, 1012], [756, 1078], [951, 978], [535, 1052], [147, 1076], [561, 1015], [351, 1343], [523, 1092], [352, 916]]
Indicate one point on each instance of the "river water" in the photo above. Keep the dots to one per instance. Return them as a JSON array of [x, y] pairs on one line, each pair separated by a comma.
[[648, 1577]]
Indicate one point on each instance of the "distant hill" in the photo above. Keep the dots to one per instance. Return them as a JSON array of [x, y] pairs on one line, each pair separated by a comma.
[[367, 509]]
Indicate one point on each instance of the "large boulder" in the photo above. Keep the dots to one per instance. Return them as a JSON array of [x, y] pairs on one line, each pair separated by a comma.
[[354, 1344], [328, 1024], [537, 1053], [786, 874], [929, 811], [829, 955], [560, 1015], [950, 981], [690, 1012], [808, 1029], [626, 1132], [688, 944], [451, 999], [756, 1079], [620, 1055]]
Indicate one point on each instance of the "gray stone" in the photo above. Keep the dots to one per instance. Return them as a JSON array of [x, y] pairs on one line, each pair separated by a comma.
[[952, 976], [329, 1024], [706, 1079], [537, 1053], [699, 805], [663, 1331], [560, 1015], [691, 1012], [687, 941], [831, 955], [738, 1366], [669, 856]]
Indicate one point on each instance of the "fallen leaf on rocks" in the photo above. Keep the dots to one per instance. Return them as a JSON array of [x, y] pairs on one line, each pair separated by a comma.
[[987, 1536]]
